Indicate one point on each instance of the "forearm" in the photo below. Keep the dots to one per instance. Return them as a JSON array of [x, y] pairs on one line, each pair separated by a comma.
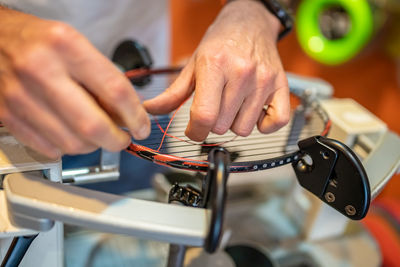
[[241, 16]]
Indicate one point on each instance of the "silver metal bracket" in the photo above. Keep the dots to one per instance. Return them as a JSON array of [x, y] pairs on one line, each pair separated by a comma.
[[107, 170]]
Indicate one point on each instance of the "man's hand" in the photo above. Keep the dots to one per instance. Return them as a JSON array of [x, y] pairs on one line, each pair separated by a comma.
[[58, 94], [235, 73]]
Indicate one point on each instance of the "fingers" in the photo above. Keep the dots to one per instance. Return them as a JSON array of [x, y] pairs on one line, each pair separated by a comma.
[[84, 116], [231, 102], [99, 76], [173, 96], [38, 117], [70, 103], [247, 116], [117, 93], [262, 86], [278, 112], [206, 102]]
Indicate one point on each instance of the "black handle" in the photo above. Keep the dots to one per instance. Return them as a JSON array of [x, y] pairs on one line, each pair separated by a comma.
[[215, 195], [129, 55]]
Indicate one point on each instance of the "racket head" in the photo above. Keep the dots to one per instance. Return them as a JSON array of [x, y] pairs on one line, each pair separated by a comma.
[[252, 153]]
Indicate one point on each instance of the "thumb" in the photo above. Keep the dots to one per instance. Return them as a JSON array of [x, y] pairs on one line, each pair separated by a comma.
[[174, 95]]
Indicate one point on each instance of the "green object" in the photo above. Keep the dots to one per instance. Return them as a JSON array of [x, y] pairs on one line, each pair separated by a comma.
[[333, 51]]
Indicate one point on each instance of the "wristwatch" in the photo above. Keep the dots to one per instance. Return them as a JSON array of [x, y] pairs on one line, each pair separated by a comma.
[[277, 9]]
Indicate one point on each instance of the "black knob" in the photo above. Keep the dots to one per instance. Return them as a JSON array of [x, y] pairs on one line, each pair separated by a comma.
[[130, 55]]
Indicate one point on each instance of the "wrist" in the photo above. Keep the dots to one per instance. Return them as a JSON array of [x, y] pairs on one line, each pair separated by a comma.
[[244, 12], [276, 10]]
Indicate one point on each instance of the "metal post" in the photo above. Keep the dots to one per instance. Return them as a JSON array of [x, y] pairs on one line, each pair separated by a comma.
[[176, 255]]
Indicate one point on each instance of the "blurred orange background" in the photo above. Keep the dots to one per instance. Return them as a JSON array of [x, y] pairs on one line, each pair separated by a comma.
[[370, 78]]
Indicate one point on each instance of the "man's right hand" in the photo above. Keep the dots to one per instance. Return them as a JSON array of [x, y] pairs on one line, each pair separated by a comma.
[[58, 94]]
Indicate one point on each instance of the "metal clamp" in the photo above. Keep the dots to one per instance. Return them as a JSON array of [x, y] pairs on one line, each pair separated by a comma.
[[332, 171], [107, 170]]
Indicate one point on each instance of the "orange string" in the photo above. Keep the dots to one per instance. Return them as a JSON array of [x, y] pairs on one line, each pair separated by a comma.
[[169, 124], [165, 132]]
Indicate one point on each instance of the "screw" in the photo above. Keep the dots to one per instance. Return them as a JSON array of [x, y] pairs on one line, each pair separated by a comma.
[[333, 183], [330, 197], [350, 210], [325, 154]]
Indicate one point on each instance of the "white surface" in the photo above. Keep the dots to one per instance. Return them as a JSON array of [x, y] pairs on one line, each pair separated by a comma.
[[383, 162], [6, 228], [39, 198]]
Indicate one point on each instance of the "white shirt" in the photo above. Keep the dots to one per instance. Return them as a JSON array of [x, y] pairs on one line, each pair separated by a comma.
[[107, 22]]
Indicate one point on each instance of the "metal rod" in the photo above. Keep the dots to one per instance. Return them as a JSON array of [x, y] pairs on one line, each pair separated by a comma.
[[16, 252], [176, 255]]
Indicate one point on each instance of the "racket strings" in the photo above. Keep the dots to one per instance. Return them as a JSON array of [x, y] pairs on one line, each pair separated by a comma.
[[271, 139], [256, 145], [244, 149], [180, 138]]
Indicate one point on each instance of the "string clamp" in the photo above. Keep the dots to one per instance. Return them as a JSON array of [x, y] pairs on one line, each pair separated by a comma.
[[332, 171]]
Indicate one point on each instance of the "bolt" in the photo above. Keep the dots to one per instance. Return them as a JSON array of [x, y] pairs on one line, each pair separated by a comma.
[[350, 210], [330, 197], [333, 183]]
